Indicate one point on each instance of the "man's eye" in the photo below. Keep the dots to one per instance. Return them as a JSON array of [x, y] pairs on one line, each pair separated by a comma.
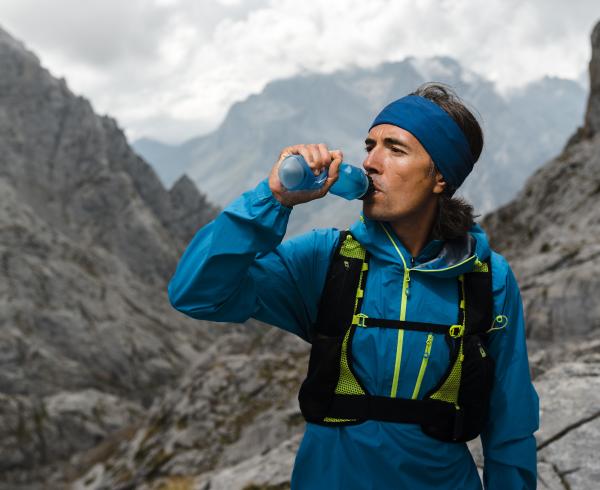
[[397, 150], [367, 149]]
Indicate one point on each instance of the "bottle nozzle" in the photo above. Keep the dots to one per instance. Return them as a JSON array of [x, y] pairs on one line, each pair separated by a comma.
[[370, 188]]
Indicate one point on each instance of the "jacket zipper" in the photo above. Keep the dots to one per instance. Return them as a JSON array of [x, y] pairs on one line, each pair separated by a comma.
[[403, 301], [424, 362], [400, 339]]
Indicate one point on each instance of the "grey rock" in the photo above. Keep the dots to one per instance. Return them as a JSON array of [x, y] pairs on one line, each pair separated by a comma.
[[569, 398], [78, 173], [549, 234], [229, 406], [548, 478], [88, 240], [265, 471], [592, 115], [188, 206], [169, 160], [57, 426], [570, 423]]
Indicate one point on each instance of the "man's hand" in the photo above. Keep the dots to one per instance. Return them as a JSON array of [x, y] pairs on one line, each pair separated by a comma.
[[318, 157]]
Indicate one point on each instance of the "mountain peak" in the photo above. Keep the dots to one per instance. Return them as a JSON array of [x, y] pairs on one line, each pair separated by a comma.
[[188, 204], [9, 44], [592, 116], [184, 185]]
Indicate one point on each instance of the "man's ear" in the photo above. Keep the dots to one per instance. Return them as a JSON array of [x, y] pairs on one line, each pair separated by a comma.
[[440, 183]]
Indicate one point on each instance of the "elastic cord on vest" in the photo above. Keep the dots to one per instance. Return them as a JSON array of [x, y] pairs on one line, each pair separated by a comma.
[[436, 131]]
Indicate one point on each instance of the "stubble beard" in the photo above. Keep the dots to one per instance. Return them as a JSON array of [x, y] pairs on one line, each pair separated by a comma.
[[376, 211]]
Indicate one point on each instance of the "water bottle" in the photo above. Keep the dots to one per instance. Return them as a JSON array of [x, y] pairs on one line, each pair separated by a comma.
[[352, 183]]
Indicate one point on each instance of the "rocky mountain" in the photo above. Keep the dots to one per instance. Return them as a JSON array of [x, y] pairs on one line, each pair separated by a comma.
[[169, 161], [235, 403], [522, 130], [88, 240], [550, 232]]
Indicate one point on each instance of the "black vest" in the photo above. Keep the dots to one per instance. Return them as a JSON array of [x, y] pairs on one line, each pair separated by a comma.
[[455, 410]]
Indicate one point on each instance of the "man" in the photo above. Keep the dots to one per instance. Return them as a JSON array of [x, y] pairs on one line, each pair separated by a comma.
[[420, 240]]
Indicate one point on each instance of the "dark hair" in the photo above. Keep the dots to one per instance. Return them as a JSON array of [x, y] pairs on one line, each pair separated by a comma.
[[455, 215]]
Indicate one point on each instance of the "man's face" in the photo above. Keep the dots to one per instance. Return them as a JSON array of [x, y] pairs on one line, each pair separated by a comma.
[[399, 167]]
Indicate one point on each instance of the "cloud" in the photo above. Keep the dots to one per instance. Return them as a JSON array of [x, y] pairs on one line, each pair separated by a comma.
[[171, 68], [94, 33]]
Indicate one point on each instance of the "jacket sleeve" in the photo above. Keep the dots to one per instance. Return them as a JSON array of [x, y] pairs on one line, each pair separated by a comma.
[[236, 267], [509, 446]]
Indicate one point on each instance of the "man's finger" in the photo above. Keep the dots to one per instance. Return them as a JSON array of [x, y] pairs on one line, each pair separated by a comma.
[[334, 168], [324, 154], [336, 154], [316, 163]]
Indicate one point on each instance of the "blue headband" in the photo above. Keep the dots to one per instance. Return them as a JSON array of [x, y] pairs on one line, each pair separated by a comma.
[[436, 131]]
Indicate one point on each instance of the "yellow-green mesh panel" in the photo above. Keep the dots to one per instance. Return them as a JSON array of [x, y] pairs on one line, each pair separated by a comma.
[[333, 419], [347, 384], [360, 278], [480, 267], [354, 250], [448, 392], [351, 248]]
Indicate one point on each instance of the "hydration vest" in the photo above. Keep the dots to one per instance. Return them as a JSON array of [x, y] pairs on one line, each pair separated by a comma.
[[455, 410]]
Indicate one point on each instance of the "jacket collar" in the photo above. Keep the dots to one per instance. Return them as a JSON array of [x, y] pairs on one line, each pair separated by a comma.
[[443, 258]]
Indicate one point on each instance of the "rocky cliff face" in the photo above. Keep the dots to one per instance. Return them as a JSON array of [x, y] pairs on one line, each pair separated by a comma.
[[235, 403], [550, 232], [592, 115], [88, 239], [77, 172]]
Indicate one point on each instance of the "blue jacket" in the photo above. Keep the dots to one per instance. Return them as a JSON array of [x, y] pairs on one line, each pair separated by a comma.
[[237, 267]]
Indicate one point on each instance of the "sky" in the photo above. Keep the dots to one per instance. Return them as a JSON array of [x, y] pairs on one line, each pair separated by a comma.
[[170, 69]]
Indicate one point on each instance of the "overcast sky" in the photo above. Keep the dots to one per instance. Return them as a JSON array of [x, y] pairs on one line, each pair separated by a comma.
[[170, 69]]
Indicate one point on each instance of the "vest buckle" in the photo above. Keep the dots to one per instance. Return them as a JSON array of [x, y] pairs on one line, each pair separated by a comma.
[[359, 319], [456, 331]]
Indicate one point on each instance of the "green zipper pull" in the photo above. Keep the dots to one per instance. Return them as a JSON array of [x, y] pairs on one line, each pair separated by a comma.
[[482, 351], [423, 367], [428, 343], [407, 283]]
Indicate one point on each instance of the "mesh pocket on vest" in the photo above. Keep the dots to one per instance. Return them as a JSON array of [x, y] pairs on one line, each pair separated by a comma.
[[317, 390]]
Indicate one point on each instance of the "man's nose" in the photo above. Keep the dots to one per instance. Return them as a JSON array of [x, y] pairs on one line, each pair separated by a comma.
[[372, 163]]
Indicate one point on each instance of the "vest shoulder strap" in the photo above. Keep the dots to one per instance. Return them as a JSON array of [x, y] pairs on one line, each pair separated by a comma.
[[479, 306], [342, 295], [339, 298]]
